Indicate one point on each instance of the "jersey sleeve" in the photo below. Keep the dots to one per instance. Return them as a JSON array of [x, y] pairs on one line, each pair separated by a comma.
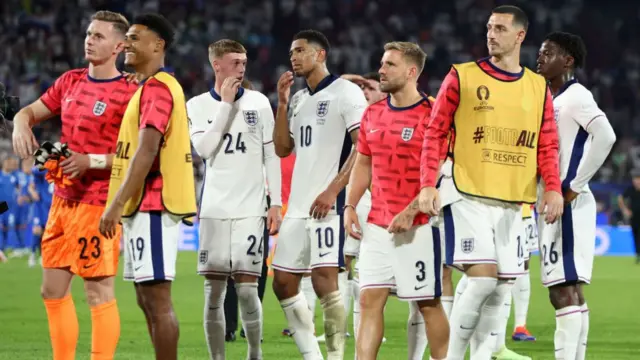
[[52, 98], [156, 104], [585, 109], [363, 146], [438, 128], [197, 124], [352, 106], [548, 148], [268, 122]]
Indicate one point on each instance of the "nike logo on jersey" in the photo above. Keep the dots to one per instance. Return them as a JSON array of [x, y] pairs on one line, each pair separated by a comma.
[[256, 262], [373, 130], [252, 312], [67, 100], [550, 271], [325, 254], [209, 121], [420, 287], [138, 267], [89, 266]]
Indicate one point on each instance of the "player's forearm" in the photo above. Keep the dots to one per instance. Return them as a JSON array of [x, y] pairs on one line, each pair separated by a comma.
[[32, 114], [282, 140], [274, 174], [207, 142], [414, 206], [359, 180], [138, 170], [342, 179], [603, 139], [433, 142]]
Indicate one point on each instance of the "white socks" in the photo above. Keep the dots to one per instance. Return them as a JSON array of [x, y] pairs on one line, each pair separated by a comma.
[[521, 292], [490, 322], [355, 292], [466, 314], [503, 319], [416, 332], [251, 316], [214, 322], [306, 287], [568, 332], [335, 322], [447, 304], [462, 285], [300, 323], [345, 290], [584, 333]]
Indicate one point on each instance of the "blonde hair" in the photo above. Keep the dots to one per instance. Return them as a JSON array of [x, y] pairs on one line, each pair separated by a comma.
[[225, 46], [120, 23], [410, 51]]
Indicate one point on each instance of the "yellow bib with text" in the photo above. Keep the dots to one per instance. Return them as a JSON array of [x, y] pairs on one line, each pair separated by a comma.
[[497, 125], [176, 168]]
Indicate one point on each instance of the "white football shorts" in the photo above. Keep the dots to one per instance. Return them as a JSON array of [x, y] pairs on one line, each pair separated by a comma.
[[482, 233], [567, 247], [307, 243], [231, 246], [410, 262], [150, 246]]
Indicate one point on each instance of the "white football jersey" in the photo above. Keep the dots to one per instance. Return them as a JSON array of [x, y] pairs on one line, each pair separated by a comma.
[[234, 182], [575, 109], [320, 123]]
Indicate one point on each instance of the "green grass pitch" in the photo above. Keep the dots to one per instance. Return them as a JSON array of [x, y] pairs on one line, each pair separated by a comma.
[[613, 299]]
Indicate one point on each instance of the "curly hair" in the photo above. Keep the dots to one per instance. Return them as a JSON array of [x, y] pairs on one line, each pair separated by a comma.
[[571, 44]]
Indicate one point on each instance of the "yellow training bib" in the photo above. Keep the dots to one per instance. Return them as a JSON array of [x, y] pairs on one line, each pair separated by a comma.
[[176, 168], [497, 125]]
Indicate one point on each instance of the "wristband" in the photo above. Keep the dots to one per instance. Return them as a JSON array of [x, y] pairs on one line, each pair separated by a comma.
[[97, 161], [348, 206]]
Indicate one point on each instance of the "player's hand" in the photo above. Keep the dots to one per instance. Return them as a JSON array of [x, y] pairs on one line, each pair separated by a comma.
[[552, 206], [401, 222], [569, 196], [110, 220], [350, 222], [229, 89], [131, 77], [274, 219], [627, 213], [430, 201], [355, 78], [75, 165], [24, 142], [284, 87], [322, 204]]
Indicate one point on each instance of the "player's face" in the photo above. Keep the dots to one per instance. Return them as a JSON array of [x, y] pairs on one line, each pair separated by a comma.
[[551, 60], [304, 57], [102, 42], [230, 65], [502, 34], [394, 71], [636, 182], [372, 93], [140, 45]]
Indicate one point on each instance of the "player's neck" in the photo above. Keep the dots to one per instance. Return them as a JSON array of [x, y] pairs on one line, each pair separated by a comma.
[[507, 62], [406, 96], [558, 82], [104, 71], [316, 76], [145, 71]]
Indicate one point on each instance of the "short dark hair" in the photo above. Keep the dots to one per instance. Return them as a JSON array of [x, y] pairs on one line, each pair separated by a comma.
[[158, 24], [519, 16], [571, 44], [372, 76], [313, 37]]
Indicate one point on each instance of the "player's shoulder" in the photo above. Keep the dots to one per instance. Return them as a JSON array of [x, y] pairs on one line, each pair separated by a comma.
[[204, 98], [255, 98], [74, 75], [577, 91], [346, 86]]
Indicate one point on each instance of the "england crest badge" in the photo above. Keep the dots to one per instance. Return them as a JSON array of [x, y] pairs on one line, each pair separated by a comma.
[[99, 108], [323, 108], [407, 134], [250, 117]]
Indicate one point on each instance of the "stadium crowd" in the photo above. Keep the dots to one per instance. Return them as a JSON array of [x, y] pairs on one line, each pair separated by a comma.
[[42, 39]]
